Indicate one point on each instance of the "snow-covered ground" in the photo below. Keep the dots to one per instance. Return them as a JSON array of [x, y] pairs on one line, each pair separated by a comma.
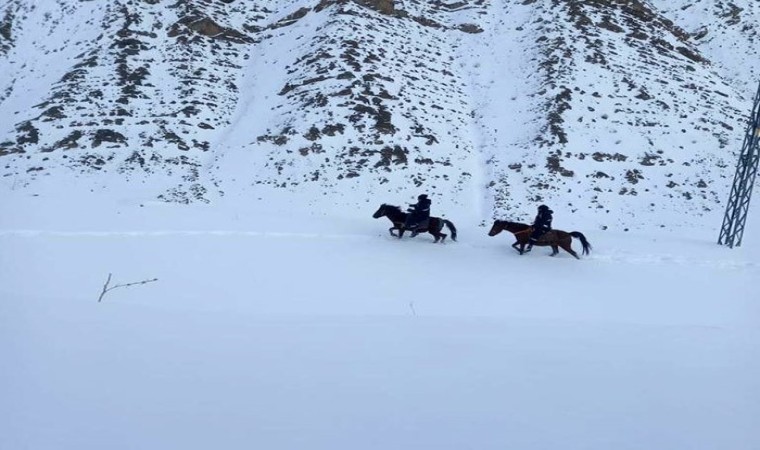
[[288, 319], [277, 328]]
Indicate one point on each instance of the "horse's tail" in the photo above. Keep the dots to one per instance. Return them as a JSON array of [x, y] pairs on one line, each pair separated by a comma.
[[584, 242], [451, 228]]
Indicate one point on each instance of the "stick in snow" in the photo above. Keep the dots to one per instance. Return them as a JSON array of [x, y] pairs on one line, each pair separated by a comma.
[[106, 288]]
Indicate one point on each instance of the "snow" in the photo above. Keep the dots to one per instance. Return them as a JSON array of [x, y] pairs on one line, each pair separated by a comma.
[[477, 118], [281, 328], [283, 316]]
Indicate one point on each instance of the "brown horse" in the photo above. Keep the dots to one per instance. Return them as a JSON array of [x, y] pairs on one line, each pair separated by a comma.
[[398, 217], [553, 238]]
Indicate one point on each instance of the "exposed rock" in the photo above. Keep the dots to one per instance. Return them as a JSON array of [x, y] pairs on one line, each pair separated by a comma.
[[205, 26], [383, 6], [105, 135], [6, 36], [470, 28]]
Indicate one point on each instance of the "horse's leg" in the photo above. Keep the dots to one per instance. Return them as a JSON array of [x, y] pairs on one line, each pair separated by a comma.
[[401, 232], [517, 247], [555, 250], [439, 227], [567, 246], [436, 227], [525, 241], [390, 230]]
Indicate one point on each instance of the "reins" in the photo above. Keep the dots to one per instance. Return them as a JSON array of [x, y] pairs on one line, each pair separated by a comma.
[[527, 230]]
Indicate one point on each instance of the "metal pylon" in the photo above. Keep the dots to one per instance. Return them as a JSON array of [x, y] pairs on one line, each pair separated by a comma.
[[738, 202]]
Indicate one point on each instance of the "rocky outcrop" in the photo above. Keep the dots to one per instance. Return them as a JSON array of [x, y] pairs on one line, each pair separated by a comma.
[[6, 28], [383, 6], [206, 26]]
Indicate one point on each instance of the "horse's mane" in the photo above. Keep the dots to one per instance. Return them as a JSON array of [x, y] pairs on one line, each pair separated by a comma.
[[518, 223], [394, 207], [507, 223]]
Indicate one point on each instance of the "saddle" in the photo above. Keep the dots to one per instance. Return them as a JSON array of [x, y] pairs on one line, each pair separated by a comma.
[[541, 237], [419, 227]]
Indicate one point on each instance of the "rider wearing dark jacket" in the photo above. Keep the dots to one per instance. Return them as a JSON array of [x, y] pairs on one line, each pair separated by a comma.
[[542, 224], [419, 213]]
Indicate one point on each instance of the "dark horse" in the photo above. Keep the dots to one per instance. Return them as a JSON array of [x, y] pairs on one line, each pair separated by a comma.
[[553, 238], [398, 217]]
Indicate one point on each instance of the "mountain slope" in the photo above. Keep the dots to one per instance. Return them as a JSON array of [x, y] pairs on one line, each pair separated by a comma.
[[726, 32], [609, 110], [635, 119]]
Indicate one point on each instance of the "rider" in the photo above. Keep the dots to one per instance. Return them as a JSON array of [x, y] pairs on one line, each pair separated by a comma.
[[541, 224], [419, 214]]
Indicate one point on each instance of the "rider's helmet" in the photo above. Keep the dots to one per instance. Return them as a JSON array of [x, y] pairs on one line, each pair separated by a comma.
[[543, 208], [422, 197]]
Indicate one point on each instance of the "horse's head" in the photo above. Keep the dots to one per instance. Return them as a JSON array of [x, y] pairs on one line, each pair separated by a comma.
[[498, 226], [513, 227], [381, 211], [391, 212]]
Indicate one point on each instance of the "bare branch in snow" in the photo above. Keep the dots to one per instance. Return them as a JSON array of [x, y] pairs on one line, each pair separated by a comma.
[[108, 281]]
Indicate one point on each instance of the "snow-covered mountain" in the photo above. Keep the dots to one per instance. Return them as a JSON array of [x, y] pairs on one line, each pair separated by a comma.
[[188, 259], [727, 33], [622, 112]]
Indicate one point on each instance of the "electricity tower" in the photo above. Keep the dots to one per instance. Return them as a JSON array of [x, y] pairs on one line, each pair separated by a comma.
[[738, 203]]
